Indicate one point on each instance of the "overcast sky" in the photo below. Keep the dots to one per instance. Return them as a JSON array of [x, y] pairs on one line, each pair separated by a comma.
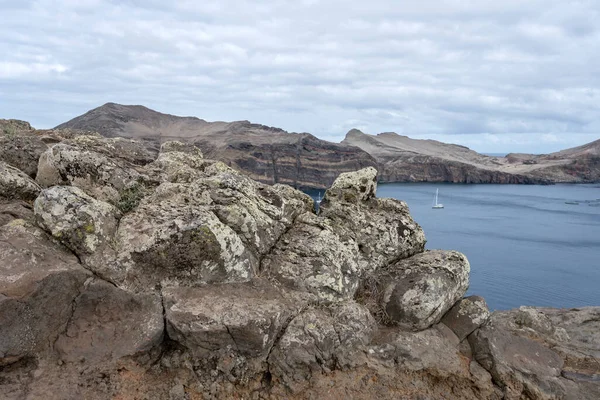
[[495, 76]]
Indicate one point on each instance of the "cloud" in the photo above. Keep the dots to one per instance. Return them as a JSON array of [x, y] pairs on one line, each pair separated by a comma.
[[487, 75]]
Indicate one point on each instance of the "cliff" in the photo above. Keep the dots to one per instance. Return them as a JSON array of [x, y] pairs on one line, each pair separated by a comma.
[[130, 275], [267, 154], [402, 159]]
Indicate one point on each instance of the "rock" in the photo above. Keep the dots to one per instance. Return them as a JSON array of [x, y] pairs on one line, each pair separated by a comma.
[[38, 282], [467, 315], [131, 151], [416, 292], [383, 228], [320, 340], [109, 323], [173, 237], [175, 146], [258, 213], [15, 209], [521, 366], [353, 187], [16, 184], [79, 221], [180, 163], [96, 174], [571, 333], [310, 257], [20, 147], [428, 350], [245, 318]]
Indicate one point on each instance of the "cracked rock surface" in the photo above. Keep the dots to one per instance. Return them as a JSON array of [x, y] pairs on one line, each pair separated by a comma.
[[133, 273]]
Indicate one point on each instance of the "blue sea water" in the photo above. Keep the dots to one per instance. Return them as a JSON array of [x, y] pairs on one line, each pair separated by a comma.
[[526, 246]]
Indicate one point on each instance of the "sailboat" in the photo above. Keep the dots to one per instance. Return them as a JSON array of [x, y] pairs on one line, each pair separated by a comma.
[[435, 201], [319, 198]]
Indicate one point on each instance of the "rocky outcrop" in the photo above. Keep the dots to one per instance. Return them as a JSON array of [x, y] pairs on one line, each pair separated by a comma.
[[179, 277]]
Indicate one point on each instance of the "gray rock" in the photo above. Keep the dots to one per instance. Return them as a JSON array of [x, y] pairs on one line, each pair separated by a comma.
[[119, 149], [38, 282], [16, 184], [382, 228], [428, 350], [179, 162], [173, 237], [320, 340], [79, 221], [109, 323], [519, 365], [416, 292], [353, 187], [571, 333], [22, 149], [467, 315], [310, 257], [15, 209], [244, 317], [258, 213], [96, 174]]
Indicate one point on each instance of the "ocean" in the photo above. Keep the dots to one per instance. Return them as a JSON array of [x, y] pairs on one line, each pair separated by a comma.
[[525, 244]]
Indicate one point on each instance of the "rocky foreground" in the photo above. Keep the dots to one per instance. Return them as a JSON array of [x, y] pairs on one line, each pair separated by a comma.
[[130, 275]]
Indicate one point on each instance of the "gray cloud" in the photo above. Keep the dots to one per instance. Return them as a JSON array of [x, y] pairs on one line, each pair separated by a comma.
[[511, 76]]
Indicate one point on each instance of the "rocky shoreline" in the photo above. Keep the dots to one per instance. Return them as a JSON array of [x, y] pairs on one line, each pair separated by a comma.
[[136, 275]]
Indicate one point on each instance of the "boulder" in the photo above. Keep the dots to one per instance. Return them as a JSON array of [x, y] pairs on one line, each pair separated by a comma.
[[520, 366], [416, 292], [430, 350], [16, 184], [320, 340], [353, 187], [96, 174], [244, 318], [466, 315], [79, 221], [119, 149], [20, 147], [311, 257], [173, 237], [383, 228], [38, 281], [258, 213], [179, 162], [109, 323]]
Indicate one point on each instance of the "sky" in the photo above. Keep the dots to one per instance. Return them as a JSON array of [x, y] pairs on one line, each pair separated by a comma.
[[505, 76]]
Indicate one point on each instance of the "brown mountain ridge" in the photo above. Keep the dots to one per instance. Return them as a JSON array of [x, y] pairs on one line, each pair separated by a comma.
[[272, 155]]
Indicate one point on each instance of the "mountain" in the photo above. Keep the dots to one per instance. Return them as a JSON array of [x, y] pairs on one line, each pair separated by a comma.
[[267, 154], [402, 159], [272, 155]]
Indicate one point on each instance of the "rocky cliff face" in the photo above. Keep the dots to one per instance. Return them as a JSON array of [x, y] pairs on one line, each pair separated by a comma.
[[126, 275], [266, 154], [402, 159]]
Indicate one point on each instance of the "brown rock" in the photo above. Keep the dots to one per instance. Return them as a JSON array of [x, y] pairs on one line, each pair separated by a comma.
[[38, 282], [466, 315], [109, 323]]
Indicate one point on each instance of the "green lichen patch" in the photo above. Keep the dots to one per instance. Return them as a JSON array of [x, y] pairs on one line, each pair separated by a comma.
[[131, 197]]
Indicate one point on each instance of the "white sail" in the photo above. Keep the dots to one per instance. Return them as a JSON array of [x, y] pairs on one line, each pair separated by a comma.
[[435, 200]]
